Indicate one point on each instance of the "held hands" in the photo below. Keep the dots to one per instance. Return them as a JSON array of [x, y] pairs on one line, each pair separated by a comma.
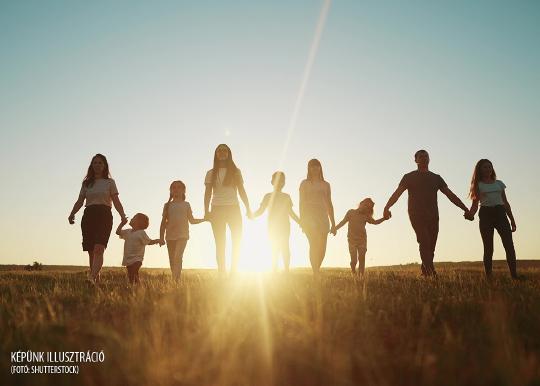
[[123, 221], [387, 214], [468, 215], [333, 230], [161, 242]]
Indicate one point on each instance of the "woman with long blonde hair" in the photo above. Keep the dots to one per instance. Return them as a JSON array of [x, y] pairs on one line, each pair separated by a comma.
[[489, 193]]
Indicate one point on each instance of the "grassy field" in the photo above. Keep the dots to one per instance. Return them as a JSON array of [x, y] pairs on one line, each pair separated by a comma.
[[392, 328]]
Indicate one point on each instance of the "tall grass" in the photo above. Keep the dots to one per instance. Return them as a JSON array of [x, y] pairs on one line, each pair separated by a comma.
[[392, 328]]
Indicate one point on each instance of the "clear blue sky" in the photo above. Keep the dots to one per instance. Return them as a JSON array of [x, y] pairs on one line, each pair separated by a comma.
[[155, 86]]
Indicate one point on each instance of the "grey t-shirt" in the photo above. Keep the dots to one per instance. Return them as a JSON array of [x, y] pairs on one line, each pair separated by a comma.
[[423, 188], [177, 215]]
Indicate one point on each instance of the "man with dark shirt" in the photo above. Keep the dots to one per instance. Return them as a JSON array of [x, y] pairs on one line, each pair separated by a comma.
[[423, 187]]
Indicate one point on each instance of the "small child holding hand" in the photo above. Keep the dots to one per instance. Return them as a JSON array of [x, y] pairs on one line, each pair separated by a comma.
[[279, 206], [135, 241], [356, 235]]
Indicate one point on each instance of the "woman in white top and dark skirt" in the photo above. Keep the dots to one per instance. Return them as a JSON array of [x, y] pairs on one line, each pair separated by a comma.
[[316, 213], [223, 185], [488, 192], [100, 192]]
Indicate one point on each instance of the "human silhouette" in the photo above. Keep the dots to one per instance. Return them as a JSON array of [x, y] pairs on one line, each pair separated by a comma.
[[316, 210], [135, 241], [100, 193], [279, 207], [489, 192], [422, 186], [223, 185], [174, 228], [356, 234]]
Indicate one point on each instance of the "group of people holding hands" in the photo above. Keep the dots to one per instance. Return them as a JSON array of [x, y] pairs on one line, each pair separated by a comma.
[[224, 185]]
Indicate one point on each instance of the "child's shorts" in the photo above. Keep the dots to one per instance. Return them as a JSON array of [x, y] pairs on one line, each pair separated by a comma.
[[357, 245]]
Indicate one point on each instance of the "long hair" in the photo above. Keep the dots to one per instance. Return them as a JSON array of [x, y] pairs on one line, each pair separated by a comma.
[[171, 187], [90, 175], [314, 162], [474, 193], [232, 170], [366, 207]]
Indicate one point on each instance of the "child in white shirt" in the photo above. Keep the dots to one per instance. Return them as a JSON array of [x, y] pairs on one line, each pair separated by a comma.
[[135, 241]]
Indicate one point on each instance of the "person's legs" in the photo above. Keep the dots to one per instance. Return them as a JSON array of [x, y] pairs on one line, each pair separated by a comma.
[[234, 219], [275, 247], [433, 233], [179, 256], [97, 262], [323, 238], [353, 251], [505, 231], [218, 228], [313, 251], [99, 230], [486, 225], [426, 235], [361, 259], [133, 272], [286, 253], [90, 262], [172, 246]]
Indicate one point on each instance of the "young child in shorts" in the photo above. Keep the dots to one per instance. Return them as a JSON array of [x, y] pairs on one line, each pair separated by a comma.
[[135, 241]]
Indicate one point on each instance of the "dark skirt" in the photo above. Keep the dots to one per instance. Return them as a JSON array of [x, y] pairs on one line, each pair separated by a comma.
[[96, 226]]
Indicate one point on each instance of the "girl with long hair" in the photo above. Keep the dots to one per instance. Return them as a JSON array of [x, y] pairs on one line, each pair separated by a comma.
[[356, 235], [223, 185], [316, 211], [488, 192], [174, 229], [100, 193]]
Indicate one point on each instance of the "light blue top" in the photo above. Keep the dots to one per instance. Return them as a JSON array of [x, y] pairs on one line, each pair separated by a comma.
[[491, 194]]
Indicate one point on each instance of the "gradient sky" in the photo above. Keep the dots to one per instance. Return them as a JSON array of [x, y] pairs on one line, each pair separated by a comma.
[[155, 86]]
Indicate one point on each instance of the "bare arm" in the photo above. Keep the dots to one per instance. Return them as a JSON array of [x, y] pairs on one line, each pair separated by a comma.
[[331, 211], [474, 208], [509, 211], [244, 198], [118, 206], [78, 205], [454, 199], [121, 225], [193, 220], [155, 241], [301, 202], [294, 215], [343, 222], [262, 208], [376, 222], [392, 200], [162, 227], [207, 197]]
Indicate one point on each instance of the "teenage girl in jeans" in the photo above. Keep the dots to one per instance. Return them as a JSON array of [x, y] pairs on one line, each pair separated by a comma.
[[495, 211]]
